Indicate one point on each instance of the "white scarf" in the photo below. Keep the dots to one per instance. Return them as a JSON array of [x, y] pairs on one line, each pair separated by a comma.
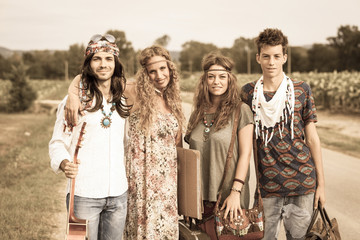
[[273, 113]]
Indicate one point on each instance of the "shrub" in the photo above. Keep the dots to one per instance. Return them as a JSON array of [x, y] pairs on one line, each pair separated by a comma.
[[21, 95]]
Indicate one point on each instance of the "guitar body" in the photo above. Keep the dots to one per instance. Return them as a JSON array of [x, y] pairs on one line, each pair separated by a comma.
[[77, 231], [76, 228]]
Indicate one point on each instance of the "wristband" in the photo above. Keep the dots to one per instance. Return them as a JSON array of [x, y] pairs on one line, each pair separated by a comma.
[[239, 180], [236, 190]]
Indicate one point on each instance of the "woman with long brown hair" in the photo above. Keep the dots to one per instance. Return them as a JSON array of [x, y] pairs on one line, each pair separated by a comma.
[[209, 130]]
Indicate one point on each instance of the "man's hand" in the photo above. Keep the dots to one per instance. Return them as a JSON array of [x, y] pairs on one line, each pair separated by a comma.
[[70, 169]]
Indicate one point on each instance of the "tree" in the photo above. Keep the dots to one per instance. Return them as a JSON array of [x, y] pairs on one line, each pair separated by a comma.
[[240, 50], [4, 66], [163, 41], [21, 94], [192, 53], [347, 43], [322, 58], [75, 58], [299, 59], [127, 52]]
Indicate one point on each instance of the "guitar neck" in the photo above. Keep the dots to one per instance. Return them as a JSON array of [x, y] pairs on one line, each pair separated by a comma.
[[72, 218]]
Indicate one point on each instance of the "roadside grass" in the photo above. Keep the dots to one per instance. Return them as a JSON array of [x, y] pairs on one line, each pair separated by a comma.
[[336, 141], [29, 190]]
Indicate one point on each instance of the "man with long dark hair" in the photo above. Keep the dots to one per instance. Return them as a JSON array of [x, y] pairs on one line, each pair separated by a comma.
[[101, 184]]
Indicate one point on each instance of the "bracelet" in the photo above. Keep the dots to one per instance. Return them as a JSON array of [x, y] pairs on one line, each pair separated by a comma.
[[236, 190], [239, 180]]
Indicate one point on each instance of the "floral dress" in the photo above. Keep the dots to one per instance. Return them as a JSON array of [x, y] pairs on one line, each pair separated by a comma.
[[152, 176]]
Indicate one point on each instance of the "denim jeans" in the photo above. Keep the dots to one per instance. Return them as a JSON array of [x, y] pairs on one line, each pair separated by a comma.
[[106, 216], [295, 211]]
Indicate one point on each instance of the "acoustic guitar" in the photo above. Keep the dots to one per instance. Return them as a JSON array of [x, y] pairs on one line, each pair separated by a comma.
[[76, 228]]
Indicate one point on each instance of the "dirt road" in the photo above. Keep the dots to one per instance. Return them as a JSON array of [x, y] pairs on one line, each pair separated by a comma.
[[342, 184]]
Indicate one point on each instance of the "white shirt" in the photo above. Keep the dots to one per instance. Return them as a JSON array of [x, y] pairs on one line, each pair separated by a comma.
[[101, 169]]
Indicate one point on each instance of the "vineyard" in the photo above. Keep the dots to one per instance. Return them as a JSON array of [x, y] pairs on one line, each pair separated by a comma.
[[337, 91]]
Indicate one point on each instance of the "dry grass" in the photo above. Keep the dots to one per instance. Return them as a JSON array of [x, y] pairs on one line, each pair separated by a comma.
[[29, 195]]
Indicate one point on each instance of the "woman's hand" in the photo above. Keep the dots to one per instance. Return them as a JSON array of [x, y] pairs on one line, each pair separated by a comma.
[[232, 204], [72, 108]]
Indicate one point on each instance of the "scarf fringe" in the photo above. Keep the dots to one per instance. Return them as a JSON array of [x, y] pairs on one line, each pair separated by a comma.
[[288, 111]]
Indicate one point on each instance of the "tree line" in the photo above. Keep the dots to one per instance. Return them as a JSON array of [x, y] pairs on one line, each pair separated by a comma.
[[342, 52]]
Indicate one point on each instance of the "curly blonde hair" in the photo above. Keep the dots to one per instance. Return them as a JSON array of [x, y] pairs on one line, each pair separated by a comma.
[[202, 99], [146, 93]]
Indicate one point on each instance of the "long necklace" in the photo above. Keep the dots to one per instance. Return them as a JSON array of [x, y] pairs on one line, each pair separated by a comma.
[[208, 125], [106, 120]]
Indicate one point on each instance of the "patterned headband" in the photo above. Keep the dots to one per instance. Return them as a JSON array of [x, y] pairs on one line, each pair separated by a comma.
[[102, 46]]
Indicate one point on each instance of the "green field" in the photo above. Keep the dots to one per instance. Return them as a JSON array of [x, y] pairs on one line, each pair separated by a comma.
[[332, 91]]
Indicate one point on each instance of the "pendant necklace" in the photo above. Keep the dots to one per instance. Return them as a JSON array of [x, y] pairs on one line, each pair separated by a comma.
[[106, 120], [207, 127]]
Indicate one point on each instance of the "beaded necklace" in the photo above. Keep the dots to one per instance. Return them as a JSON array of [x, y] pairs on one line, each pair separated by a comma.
[[207, 127], [106, 120]]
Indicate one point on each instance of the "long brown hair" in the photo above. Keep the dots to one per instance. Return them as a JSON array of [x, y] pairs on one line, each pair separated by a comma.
[[117, 88], [229, 100], [146, 94]]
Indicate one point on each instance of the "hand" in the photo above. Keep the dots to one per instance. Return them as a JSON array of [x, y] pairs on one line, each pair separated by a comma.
[[72, 108], [70, 169], [319, 196], [232, 204]]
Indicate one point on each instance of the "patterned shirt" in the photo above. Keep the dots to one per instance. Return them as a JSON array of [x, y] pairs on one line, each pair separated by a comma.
[[286, 167]]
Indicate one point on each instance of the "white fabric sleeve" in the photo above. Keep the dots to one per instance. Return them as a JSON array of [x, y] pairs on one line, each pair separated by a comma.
[[60, 142]]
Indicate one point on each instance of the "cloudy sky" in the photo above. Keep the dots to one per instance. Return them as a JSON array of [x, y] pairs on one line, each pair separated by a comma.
[[57, 24]]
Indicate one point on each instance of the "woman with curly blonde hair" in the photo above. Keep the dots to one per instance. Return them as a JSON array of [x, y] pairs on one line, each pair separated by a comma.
[[155, 125], [217, 96]]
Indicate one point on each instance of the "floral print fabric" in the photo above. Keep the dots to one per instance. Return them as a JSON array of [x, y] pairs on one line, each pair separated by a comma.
[[152, 176]]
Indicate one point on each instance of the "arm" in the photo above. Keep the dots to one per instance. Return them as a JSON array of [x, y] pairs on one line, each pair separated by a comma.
[[130, 94], [313, 141], [59, 145], [73, 105], [232, 202]]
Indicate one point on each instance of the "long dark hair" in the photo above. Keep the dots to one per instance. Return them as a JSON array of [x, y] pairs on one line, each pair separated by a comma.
[[117, 88]]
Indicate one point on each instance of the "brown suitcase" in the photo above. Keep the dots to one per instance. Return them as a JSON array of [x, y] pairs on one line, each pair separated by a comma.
[[190, 202]]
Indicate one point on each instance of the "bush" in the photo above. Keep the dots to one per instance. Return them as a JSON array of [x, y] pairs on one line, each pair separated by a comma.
[[21, 95]]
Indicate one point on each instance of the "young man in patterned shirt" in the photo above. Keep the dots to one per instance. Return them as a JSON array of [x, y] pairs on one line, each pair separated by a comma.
[[289, 152]]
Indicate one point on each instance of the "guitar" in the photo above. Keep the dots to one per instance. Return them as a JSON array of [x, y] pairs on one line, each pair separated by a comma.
[[76, 228]]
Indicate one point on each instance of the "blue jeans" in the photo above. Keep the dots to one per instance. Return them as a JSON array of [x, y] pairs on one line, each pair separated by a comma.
[[106, 216], [295, 211]]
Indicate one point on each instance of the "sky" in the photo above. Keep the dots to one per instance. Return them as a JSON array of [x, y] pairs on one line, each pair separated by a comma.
[[57, 24]]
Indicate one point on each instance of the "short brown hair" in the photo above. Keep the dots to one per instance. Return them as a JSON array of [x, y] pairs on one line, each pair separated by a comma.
[[272, 37]]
